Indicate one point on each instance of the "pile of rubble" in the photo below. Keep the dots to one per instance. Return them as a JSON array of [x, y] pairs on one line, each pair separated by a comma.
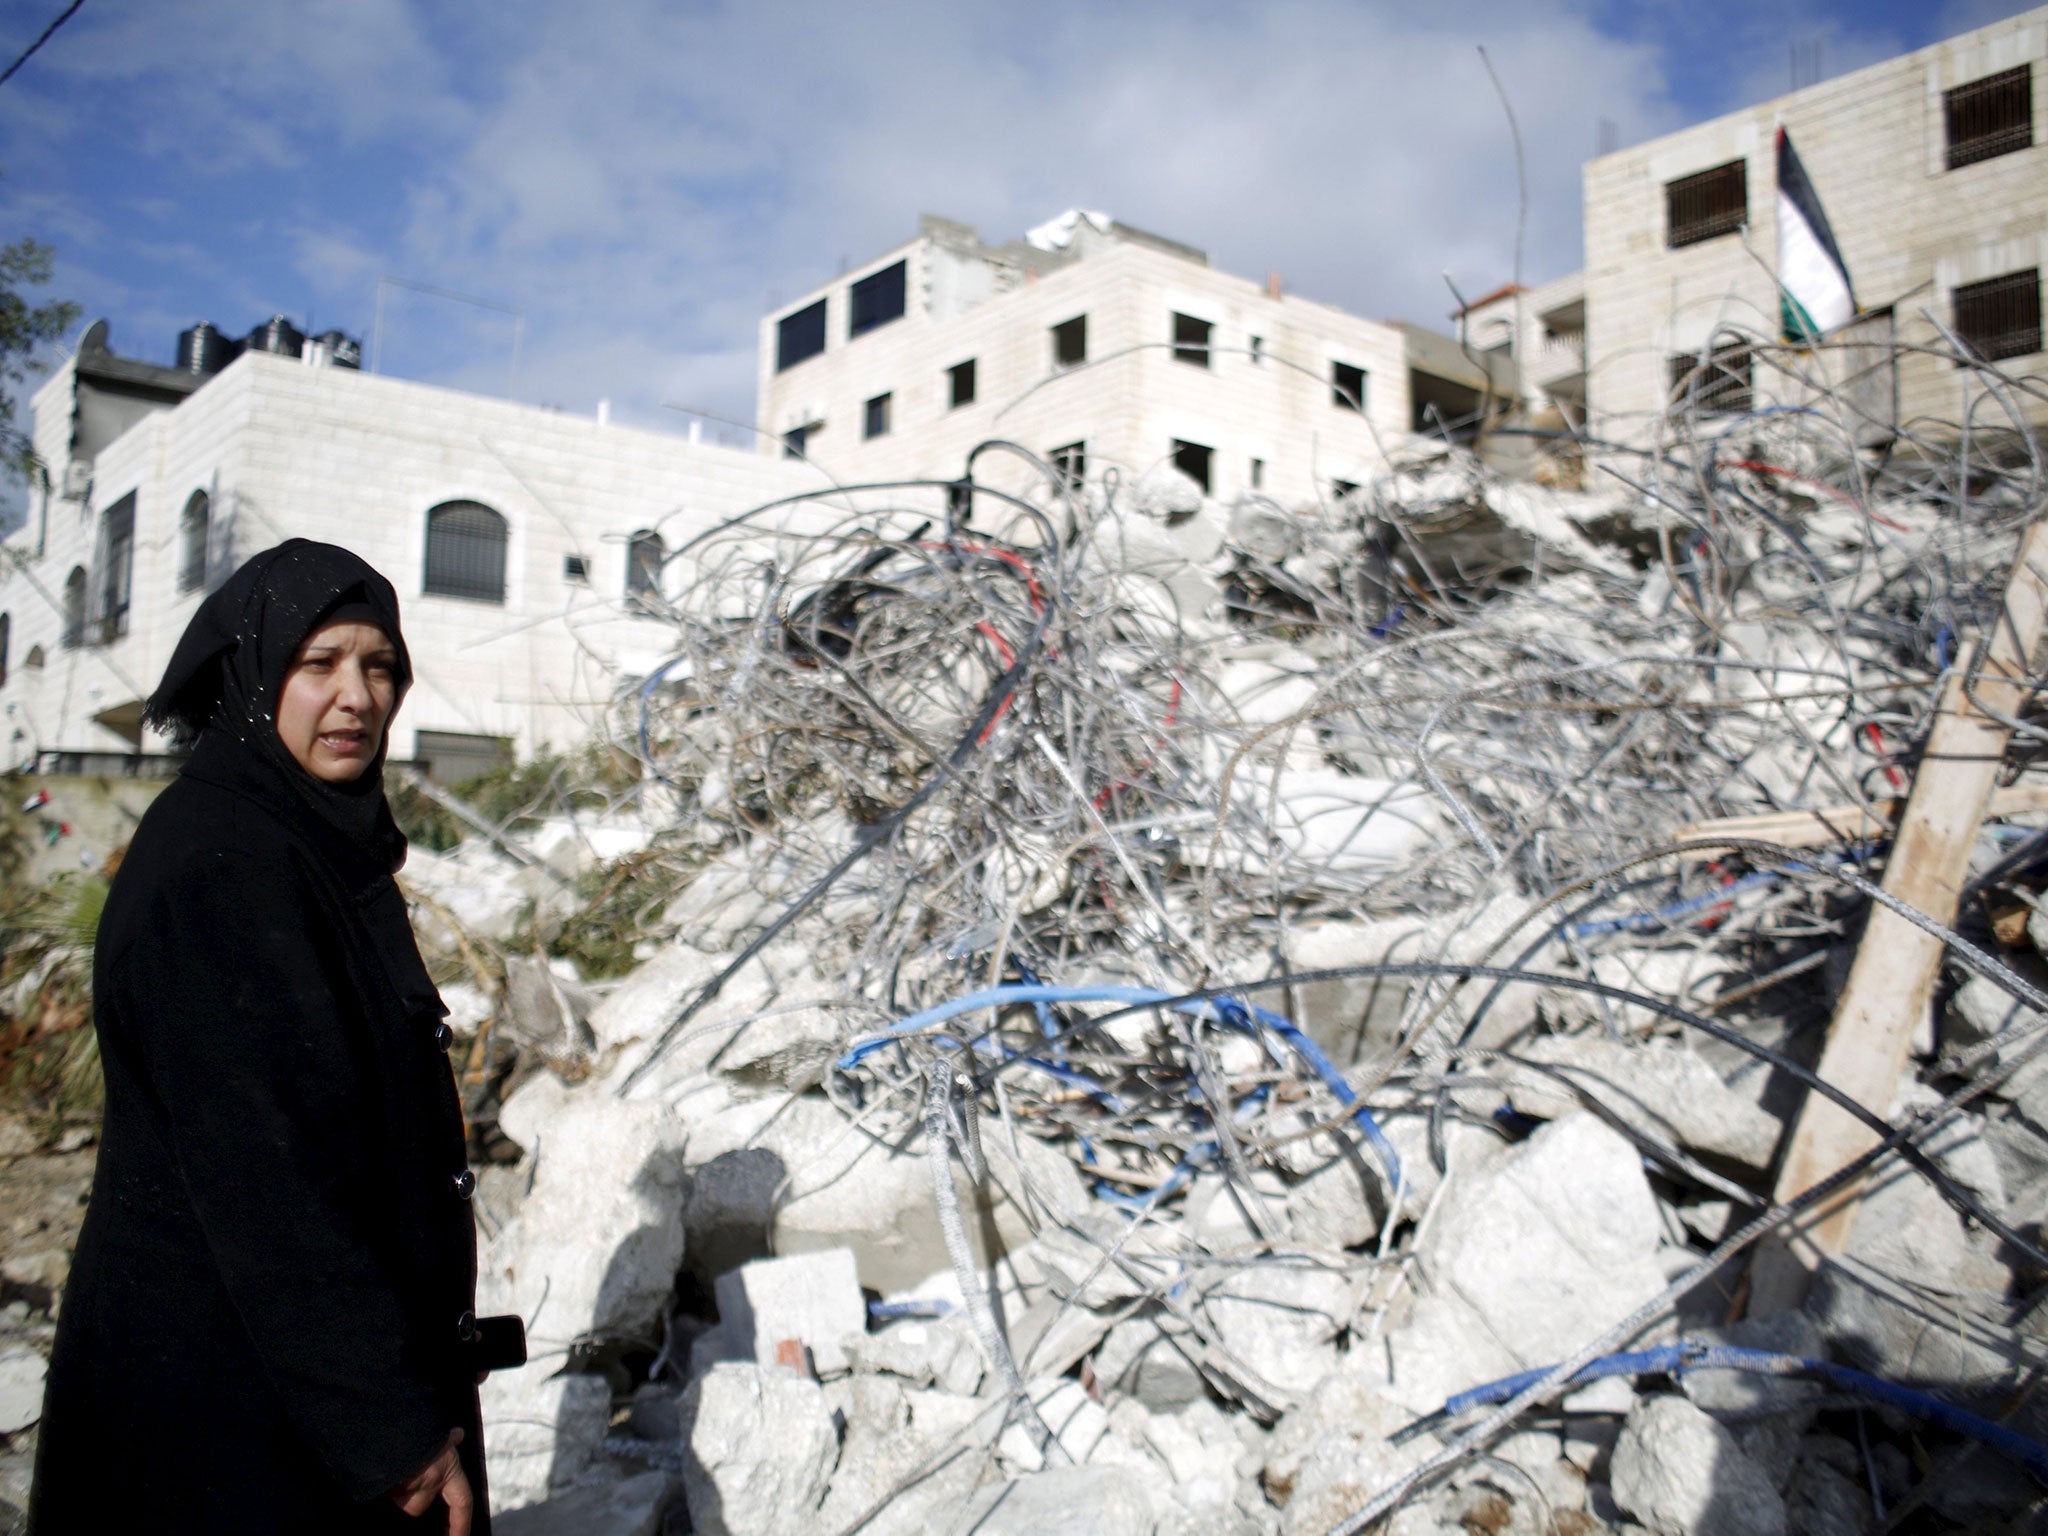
[[1138, 1007], [1150, 1001]]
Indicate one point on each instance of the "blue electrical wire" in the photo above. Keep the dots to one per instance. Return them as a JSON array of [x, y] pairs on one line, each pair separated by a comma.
[[1227, 1009], [1697, 1355]]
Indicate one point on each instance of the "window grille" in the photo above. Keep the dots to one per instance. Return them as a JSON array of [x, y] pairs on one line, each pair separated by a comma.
[[194, 527], [1706, 205], [1194, 461], [1989, 117], [1070, 342], [74, 609], [874, 420], [645, 556], [1191, 340], [466, 552], [2001, 316], [1722, 386], [117, 568], [875, 300], [1072, 463], [1347, 387], [960, 384], [800, 336]]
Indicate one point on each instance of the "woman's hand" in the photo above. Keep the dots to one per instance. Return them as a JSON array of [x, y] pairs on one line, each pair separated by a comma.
[[442, 1478]]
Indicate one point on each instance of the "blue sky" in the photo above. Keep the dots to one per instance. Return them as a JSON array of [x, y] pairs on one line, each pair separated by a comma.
[[643, 178]]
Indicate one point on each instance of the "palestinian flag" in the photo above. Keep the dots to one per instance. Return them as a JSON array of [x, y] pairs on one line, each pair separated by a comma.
[[1814, 296]]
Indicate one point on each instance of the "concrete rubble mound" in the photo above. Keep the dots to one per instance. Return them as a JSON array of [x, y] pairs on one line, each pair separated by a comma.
[[1132, 1014]]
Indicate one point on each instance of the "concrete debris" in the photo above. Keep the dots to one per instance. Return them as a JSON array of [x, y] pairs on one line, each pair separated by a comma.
[[1556, 1239], [21, 1388], [631, 1506], [1681, 1474], [810, 1299], [758, 1448], [1110, 1010]]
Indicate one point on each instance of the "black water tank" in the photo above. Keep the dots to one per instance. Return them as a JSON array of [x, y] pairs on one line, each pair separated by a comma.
[[204, 350], [277, 335], [343, 350]]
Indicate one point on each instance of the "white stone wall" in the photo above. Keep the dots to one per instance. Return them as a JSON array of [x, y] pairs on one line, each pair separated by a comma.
[[288, 450], [1910, 230], [1131, 402]]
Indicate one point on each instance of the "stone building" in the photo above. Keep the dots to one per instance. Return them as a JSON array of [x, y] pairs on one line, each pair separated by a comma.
[[1101, 347], [1933, 171], [521, 540]]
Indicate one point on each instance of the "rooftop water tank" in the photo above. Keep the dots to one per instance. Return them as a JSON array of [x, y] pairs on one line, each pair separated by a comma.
[[278, 335], [204, 350]]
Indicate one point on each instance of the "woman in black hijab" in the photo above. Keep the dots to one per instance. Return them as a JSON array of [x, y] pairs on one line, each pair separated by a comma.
[[269, 1324]]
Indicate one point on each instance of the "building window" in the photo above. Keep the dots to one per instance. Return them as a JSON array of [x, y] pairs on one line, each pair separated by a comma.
[[1347, 387], [2001, 316], [1193, 460], [1258, 350], [800, 336], [1191, 340], [796, 442], [1072, 463], [1990, 117], [960, 385], [875, 300], [1258, 474], [6, 634], [1707, 204], [74, 609], [1719, 387], [455, 757], [193, 528], [466, 552], [1070, 342], [575, 568], [34, 659], [117, 568], [645, 556], [874, 418]]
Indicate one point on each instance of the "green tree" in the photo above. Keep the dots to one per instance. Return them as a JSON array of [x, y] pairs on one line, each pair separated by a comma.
[[24, 329]]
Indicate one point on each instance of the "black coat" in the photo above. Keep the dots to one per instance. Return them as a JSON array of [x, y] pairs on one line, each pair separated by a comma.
[[261, 1330]]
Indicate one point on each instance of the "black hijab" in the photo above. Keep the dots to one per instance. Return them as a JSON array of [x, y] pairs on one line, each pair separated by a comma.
[[229, 668]]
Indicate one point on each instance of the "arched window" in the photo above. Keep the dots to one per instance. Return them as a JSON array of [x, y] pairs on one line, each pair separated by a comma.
[[466, 552], [74, 608], [644, 557], [194, 528]]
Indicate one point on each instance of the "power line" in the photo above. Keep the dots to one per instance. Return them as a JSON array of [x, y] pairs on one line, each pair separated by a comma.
[[30, 51]]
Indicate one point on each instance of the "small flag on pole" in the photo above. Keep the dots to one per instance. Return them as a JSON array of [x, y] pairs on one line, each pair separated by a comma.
[[1814, 296]]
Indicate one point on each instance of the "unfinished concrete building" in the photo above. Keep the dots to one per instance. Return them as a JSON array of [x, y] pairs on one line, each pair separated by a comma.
[[1100, 347], [1933, 171]]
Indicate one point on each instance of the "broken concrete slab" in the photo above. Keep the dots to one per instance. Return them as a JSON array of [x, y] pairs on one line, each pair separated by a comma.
[[1281, 1320], [1679, 1472], [542, 1430], [1330, 1456], [813, 1298], [596, 1242], [758, 1449], [1075, 1421], [1656, 1084], [1063, 1501], [22, 1370], [1139, 1357], [632, 1506], [1552, 1241]]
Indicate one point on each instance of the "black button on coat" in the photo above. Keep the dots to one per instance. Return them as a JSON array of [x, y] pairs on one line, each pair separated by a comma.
[[260, 1330]]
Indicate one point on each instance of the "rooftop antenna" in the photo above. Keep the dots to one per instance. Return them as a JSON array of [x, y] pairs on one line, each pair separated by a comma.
[[518, 321]]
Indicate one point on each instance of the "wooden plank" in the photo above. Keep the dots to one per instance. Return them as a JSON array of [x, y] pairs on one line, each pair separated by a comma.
[[1897, 963], [1840, 823]]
